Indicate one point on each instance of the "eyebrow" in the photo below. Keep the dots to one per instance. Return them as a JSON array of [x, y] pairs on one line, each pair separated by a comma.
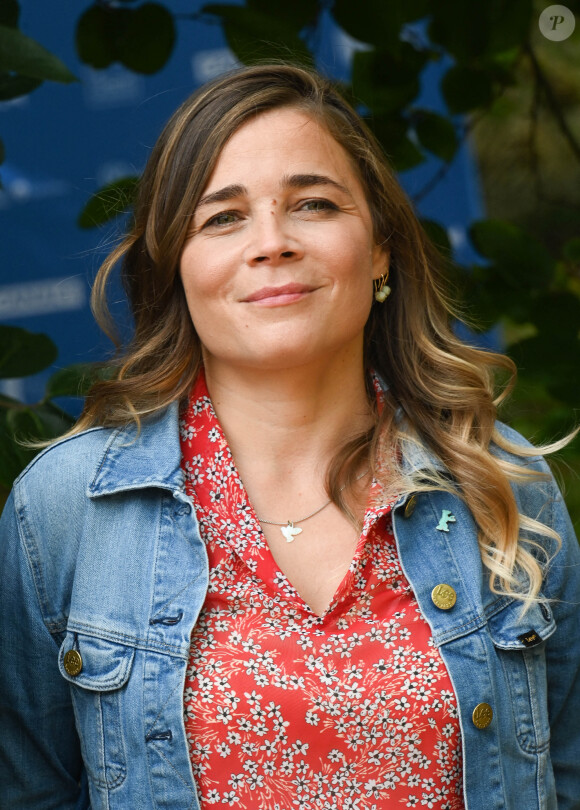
[[288, 181], [223, 194], [305, 180]]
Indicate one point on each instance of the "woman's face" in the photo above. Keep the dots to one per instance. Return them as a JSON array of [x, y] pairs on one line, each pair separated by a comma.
[[279, 262]]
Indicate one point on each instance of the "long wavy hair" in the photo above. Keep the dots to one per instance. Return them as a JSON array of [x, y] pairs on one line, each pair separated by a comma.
[[441, 392]]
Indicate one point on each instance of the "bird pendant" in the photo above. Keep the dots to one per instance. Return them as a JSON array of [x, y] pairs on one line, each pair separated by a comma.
[[290, 531]]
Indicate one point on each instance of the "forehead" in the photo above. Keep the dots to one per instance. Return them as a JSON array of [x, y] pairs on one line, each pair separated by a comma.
[[285, 139]]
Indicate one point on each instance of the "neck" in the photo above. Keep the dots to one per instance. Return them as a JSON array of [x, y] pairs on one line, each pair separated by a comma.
[[285, 426]]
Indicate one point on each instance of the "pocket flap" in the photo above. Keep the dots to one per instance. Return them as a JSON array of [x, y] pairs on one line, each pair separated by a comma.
[[99, 665], [510, 630]]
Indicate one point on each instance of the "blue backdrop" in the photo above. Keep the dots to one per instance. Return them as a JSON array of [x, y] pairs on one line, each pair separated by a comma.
[[63, 142]]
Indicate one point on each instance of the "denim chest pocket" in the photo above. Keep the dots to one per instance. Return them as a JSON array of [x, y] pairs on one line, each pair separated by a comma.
[[520, 647], [98, 670]]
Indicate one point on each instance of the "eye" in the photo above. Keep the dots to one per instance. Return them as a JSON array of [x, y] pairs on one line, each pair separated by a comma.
[[319, 205], [222, 219]]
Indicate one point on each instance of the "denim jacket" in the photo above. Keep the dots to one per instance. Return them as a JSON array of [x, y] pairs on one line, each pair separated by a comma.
[[100, 554]]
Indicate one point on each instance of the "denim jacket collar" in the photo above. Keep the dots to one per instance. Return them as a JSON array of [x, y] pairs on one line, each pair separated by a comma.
[[139, 458]]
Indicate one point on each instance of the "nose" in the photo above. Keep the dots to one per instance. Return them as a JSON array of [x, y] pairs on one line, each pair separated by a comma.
[[271, 240]]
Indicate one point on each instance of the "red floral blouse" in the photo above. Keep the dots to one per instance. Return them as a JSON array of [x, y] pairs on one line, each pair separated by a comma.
[[287, 709]]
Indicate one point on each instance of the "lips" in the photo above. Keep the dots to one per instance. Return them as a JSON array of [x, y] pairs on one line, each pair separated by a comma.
[[284, 292]]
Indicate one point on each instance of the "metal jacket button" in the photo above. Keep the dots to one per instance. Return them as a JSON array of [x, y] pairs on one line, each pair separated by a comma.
[[410, 506], [482, 715], [443, 596], [73, 663]]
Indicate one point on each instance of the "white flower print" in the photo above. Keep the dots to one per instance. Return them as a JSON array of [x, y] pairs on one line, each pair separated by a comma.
[[353, 709]]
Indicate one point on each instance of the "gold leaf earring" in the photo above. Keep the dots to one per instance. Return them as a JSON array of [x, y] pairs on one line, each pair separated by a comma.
[[382, 289]]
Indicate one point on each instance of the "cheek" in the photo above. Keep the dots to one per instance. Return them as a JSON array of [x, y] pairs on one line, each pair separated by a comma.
[[196, 291], [351, 245], [352, 266], [202, 278], [206, 284]]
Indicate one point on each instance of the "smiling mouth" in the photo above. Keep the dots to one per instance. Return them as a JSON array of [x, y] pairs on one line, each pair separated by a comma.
[[277, 296]]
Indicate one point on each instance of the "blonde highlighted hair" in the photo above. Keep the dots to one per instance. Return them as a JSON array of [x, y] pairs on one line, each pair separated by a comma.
[[442, 388]]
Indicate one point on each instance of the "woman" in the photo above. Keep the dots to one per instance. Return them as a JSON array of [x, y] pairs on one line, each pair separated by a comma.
[[287, 559]]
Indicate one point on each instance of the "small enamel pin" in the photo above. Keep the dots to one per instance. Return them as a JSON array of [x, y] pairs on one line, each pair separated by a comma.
[[446, 517]]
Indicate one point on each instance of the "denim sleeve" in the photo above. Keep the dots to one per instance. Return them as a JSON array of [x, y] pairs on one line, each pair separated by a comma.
[[563, 660], [40, 761]]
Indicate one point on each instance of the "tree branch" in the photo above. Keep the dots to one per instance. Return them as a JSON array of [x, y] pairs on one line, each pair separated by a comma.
[[553, 103]]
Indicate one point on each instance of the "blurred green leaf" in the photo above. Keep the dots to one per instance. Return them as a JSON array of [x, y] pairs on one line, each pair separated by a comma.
[[96, 35], [535, 413], [22, 424], [25, 424], [71, 381], [566, 389], [140, 38], [55, 421], [254, 36], [298, 13], [558, 314], [27, 57], [551, 360], [509, 26], [461, 28], [148, 38], [487, 299], [405, 155], [24, 427], [571, 250], [9, 13], [465, 89], [481, 29], [110, 201], [436, 133], [386, 84], [521, 260], [438, 235], [23, 353], [12, 458], [377, 22], [12, 86], [391, 130]]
